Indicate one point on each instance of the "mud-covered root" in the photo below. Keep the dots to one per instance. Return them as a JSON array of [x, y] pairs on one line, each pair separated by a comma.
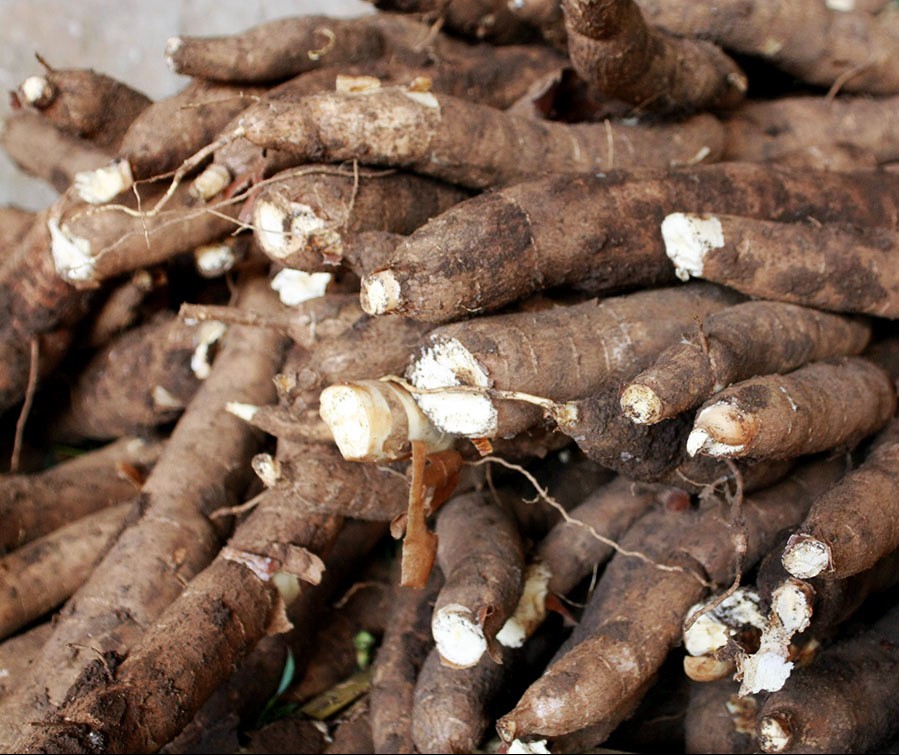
[[517, 353], [33, 505], [612, 47], [830, 266], [41, 150], [165, 135], [319, 479], [404, 647], [785, 127], [748, 339], [82, 102], [825, 404], [849, 49], [482, 559], [509, 243], [305, 217], [43, 574], [140, 381], [502, 148], [275, 49], [720, 720], [850, 527], [221, 615], [844, 700], [584, 540], [667, 562]]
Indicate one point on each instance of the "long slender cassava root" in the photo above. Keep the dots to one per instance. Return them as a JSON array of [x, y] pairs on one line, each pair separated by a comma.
[[437, 447]]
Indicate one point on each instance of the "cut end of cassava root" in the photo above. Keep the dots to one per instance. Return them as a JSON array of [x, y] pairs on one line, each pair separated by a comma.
[[284, 228], [447, 364], [805, 557], [37, 91], [172, 45], [531, 609], [72, 255], [373, 420], [687, 240], [380, 293], [459, 637], [103, 184], [296, 286], [721, 429], [774, 734], [713, 629], [641, 404]]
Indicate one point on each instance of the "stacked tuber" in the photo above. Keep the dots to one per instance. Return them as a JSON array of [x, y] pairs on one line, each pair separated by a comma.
[[460, 376]]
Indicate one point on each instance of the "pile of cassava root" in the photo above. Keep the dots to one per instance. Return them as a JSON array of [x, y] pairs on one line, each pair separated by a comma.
[[461, 377]]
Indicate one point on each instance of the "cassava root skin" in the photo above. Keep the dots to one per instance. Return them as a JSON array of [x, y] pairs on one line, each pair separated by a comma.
[[825, 404], [752, 338], [613, 48], [508, 243]]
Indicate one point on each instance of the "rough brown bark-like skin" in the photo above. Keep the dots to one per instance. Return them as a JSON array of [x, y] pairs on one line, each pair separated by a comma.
[[504, 245], [43, 151], [275, 49], [635, 616], [766, 131], [602, 339], [467, 143], [42, 574], [490, 20], [748, 339], [451, 712], [832, 403], [89, 105], [205, 466], [709, 726], [121, 242], [857, 519], [18, 653], [319, 479], [836, 267], [114, 393], [35, 303], [372, 347], [172, 129], [335, 204], [406, 643], [845, 700], [612, 47], [33, 505], [481, 555], [805, 38], [193, 646], [352, 733], [571, 551]]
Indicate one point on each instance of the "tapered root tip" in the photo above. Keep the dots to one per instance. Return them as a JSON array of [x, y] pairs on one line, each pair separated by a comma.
[[380, 293], [774, 733], [459, 637], [641, 404], [688, 238], [806, 557]]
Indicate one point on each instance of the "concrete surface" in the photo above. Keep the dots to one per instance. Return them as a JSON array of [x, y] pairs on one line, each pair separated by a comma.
[[124, 39]]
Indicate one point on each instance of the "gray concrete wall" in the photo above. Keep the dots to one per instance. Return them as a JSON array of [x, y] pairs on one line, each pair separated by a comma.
[[122, 38]]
